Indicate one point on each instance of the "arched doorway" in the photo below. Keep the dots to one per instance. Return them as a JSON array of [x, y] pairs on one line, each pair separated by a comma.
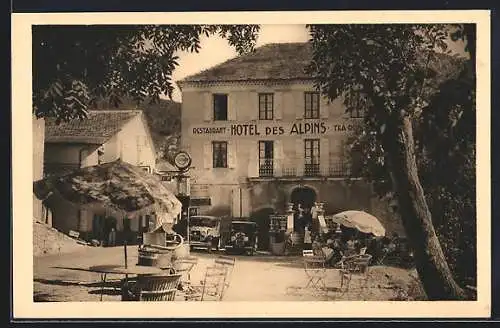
[[304, 198], [262, 218]]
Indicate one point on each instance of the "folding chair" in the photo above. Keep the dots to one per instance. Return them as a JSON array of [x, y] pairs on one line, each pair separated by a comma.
[[228, 263], [356, 265], [212, 287], [315, 269], [184, 266]]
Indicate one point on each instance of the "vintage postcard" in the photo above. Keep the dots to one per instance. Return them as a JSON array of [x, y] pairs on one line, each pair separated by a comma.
[[242, 165]]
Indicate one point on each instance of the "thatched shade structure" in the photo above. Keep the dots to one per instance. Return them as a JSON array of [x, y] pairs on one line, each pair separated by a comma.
[[117, 187]]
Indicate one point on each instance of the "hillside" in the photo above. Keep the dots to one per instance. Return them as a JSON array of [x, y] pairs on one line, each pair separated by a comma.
[[49, 241]]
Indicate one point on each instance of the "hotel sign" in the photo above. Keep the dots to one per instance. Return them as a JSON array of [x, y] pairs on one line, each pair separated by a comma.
[[295, 128]]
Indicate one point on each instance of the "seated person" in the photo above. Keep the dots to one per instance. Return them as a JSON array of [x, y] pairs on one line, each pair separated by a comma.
[[316, 247], [333, 253], [350, 247]]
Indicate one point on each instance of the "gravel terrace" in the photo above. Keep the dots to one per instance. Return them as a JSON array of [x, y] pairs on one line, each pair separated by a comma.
[[255, 278]]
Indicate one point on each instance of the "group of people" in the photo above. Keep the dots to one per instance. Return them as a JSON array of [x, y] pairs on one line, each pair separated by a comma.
[[335, 246]]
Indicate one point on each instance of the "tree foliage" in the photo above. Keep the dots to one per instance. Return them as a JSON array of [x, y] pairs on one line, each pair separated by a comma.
[[405, 73], [73, 66]]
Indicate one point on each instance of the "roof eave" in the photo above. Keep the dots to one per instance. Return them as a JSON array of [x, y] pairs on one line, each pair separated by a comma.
[[193, 82]]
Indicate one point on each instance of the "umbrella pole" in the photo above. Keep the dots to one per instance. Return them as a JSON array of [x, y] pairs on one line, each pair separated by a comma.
[[125, 250], [125, 287]]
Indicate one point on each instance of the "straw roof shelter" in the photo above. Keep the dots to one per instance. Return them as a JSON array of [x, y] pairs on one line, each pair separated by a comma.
[[116, 187]]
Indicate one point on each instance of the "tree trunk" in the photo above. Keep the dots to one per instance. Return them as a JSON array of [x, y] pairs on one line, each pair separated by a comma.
[[430, 262]]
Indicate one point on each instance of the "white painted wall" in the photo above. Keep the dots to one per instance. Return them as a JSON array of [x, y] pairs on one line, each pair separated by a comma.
[[132, 144]]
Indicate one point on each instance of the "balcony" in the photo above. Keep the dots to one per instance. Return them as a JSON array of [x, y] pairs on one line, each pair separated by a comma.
[[293, 168]]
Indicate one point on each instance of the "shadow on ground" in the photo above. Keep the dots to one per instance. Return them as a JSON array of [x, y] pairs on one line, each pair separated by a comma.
[[59, 282], [42, 297]]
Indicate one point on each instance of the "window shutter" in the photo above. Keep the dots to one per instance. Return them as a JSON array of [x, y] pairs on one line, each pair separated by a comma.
[[208, 107], [253, 160], [254, 105], [324, 152], [231, 154], [324, 107], [278, 158], [299, 157], [207, 155], [278, 105], [231, 106], [299, 104]]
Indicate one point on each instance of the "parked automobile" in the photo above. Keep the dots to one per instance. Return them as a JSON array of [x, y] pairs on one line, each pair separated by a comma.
[[204, 232], [243, 237]]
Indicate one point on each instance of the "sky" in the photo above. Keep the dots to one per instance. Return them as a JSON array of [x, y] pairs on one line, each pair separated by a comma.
[[215, 50]]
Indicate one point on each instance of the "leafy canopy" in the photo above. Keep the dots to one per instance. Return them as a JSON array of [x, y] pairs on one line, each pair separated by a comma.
[[77, 65], [407, 70]]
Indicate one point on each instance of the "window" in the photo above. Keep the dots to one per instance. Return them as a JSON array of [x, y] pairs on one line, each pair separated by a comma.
[[220, 107], [311, 157], [266, 106], [266, 150], [357, 104], [311, 105], [219, 151]]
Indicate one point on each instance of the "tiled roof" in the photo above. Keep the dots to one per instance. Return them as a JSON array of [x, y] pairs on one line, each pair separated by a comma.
[[97, 128], [276, 61], [284, 61]]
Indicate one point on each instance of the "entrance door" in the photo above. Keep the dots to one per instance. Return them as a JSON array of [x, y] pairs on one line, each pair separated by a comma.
[[266, 156], [305, 198]]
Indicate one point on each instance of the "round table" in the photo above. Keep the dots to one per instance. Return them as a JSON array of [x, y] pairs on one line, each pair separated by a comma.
[[106, 269]]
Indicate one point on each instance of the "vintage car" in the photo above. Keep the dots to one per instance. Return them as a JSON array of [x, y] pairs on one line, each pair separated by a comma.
[[243, 237], [204, 232]]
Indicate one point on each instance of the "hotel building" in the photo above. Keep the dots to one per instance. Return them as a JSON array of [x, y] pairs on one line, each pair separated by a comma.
[[260, 137]]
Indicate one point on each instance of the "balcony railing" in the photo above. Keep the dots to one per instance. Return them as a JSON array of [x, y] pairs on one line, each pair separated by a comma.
[[312, 170], [266, 167], [297, 167]]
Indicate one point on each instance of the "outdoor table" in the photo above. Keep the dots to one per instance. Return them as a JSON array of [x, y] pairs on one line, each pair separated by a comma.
[[104, 270]]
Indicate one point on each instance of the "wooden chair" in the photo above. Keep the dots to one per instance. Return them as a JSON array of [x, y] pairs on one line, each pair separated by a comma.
[[356, 265], [315, 269], [154, 288]]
